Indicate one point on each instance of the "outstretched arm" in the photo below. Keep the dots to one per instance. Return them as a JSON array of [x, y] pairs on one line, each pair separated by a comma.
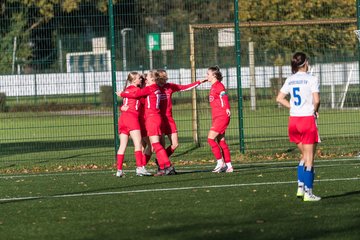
[[178, 87], [136, 94]]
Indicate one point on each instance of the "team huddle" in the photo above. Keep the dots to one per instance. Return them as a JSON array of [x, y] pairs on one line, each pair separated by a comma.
[[146, 116]]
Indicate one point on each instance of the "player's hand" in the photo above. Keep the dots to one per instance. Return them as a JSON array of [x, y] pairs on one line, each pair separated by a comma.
[[228, 112], [316, 115], [118, 93], [124, 108]]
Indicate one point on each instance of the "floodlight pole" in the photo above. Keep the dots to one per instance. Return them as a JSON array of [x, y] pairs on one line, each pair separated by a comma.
[[123, 34]]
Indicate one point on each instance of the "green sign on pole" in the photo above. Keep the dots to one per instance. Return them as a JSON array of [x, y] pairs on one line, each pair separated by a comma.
[[153, 42]]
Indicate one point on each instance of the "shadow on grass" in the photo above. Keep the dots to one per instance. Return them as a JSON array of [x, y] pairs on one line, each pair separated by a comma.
[[8, 149], [189, 150], [342, 195]]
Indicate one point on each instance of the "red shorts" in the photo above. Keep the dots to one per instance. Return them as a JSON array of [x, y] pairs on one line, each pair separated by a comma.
[[219, 124], [168, 125], [303, 130], [153, 125], [128, 122]]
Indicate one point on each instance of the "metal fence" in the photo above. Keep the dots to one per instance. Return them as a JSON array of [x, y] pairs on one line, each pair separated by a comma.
[[59, 61]]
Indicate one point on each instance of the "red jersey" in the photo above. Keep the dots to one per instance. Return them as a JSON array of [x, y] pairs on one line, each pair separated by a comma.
[[152, 101], [133, 104], [168, 89], [141, 108], [219, 100]]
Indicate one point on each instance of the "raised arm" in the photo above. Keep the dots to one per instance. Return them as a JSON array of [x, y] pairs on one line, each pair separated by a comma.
[[186, 87]]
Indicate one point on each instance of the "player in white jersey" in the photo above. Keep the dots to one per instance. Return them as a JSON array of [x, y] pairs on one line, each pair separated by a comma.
[[304, 105]]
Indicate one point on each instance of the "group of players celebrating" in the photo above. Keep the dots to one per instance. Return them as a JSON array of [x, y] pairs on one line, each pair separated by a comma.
[[146, 116]]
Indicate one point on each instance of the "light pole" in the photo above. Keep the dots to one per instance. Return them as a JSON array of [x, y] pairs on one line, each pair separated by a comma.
[[123, 33]]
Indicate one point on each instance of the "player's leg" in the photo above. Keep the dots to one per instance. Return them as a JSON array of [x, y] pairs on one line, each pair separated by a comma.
[[147, 150], [172, 133], [174, 143], [309, 139], [163, 160], [140, 168], [309, 174], [226, 152], [124, 138], [300, 172], [153, 127], [162, 141], [215, 148], [296, 136]]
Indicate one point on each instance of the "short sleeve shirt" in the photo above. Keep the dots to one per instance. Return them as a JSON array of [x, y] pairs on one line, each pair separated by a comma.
[[301, 86]]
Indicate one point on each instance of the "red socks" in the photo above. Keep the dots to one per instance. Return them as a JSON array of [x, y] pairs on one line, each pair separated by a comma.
[[161, 155], [120, 160], [226, 151], [215, 148], [138, 158]]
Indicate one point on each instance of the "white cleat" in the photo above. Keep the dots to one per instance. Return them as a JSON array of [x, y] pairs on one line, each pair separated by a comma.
[[120, 173], [310, 197], [220, 168], [141, 171], [229, 170]]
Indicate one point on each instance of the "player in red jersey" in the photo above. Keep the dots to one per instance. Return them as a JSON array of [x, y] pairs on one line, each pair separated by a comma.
[[147, 151], [129, 126], [153, 120], [220, 113], [169, 125]]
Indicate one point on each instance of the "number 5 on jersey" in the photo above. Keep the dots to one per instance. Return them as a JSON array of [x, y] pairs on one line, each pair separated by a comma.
[[296, 95]]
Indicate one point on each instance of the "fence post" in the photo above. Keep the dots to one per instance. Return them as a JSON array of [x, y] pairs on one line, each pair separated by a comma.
[[252, 76], [113, 74], [35, 88], [238, 75], [84, 87], [94, 76], [195, 121]]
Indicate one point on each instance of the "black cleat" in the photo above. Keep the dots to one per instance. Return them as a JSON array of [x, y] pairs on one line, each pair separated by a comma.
[[170, 171]]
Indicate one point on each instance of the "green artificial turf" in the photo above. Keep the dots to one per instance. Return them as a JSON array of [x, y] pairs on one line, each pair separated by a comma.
[[257, 201]]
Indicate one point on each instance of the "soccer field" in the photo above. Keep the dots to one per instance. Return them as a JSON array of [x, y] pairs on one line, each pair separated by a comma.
[[257, 201]]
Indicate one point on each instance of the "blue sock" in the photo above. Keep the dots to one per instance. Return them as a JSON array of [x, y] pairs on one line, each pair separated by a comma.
[[309, 177], [300, 173]]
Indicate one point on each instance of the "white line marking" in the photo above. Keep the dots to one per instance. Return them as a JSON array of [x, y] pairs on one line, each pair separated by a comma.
[[238, 167], [167, 189]]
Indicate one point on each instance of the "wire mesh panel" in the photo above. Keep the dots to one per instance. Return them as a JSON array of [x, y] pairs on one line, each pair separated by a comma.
[[155, 35], [62, 60], [56, 81], [326, 35]]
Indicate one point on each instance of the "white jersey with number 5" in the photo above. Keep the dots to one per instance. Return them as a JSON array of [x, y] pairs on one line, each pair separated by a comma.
[[300, 86]]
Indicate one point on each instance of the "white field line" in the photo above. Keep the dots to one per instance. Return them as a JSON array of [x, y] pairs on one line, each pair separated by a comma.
[[237, 167], [168, 189]]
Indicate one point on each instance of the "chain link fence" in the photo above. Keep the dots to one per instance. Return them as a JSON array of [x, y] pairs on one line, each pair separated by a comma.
[[61, 63]]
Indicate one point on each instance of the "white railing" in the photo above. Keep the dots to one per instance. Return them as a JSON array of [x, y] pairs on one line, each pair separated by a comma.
[[330, 74]]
